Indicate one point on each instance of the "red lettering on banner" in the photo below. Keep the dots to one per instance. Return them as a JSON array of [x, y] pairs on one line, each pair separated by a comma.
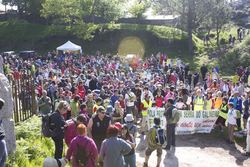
[[186, 125], [206, 126], [197, 125], [208, 121]]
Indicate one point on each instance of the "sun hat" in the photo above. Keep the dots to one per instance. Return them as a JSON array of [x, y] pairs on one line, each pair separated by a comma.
[[129, 118]]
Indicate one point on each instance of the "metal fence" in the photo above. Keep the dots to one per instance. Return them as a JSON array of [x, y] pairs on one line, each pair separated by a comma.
[[23, 89]]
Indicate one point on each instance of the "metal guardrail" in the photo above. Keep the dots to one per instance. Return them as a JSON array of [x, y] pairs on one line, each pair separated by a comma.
[[23, 90]]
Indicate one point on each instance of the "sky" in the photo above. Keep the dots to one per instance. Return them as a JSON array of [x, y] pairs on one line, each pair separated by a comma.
[[2, 7]]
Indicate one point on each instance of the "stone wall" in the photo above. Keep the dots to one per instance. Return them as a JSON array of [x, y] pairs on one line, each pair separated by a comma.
[[6, 114], [1, 64]]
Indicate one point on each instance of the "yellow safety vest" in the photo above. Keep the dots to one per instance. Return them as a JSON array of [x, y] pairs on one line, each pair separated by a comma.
[[198, 104], [209, 104], [146, 105], [223, 111]]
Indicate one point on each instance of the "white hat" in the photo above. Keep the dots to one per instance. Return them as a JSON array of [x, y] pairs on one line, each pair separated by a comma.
[[52, 162], [129, 118]]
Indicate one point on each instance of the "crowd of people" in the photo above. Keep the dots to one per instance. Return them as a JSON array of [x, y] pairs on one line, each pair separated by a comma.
[[98, 102]]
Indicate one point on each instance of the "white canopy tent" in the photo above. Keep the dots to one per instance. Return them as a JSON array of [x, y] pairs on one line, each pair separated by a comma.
[[70, 47]]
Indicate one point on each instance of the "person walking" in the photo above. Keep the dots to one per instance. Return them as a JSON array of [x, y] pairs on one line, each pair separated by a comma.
[[146, 105], [152, 144], [203, 71], [130, 158], [113, 149], [248, 138], [85, 145], [232, 116], [44, 104], [75, 106], [169, 114], [71, 129], [58, 124], [246, 104], [98, 126]]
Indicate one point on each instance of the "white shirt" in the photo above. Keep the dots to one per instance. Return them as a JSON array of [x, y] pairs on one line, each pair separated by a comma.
[[231, 117], [128, 98], [225, 88], [214, 76], [151, 97]]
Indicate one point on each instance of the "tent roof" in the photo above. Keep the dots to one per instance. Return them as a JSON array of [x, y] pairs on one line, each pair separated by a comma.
[[69, 46]]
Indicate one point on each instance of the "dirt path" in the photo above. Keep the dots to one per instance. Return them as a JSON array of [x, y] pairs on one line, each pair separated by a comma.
[[199, 151]]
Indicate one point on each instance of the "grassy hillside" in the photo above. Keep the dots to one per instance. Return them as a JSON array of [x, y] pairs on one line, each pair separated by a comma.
[[20, 35]]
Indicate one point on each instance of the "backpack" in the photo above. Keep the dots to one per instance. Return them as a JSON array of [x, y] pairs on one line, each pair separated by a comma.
[[47, 126], [176, 116], [81, 156], [160, 137]]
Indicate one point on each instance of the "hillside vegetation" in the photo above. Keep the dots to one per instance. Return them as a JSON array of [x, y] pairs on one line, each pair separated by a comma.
[[20, 35], [235, 57]]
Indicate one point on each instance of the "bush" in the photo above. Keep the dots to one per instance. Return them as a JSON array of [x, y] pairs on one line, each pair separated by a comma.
[[237, 56], [223, 41], [31, 147]]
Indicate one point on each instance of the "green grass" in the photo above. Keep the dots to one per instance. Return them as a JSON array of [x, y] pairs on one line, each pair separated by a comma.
[[32, 148], [21, 35]]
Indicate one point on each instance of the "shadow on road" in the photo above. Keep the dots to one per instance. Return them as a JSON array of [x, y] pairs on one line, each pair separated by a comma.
[[171, 160]]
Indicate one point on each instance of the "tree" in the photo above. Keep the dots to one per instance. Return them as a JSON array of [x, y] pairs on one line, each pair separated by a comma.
[[28, 7], [220, 16], [193, 13], [138, 9], [110, 10], [70, 13]]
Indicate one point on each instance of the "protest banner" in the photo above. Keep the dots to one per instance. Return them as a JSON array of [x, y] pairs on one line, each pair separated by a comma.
[[190, 121]]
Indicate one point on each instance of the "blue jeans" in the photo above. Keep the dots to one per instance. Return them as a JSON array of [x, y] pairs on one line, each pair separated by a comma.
[[130, 161], [3, 153]]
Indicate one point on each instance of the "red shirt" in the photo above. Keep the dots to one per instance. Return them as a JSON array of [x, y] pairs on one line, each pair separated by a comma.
[[173, 79], [159, 101], [81, 91], [16, 75], [122, 103]]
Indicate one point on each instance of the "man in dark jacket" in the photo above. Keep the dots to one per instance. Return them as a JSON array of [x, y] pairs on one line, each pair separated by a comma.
[[58, 124], [170, 124], [98, 125], [204, 71], [3, 148]]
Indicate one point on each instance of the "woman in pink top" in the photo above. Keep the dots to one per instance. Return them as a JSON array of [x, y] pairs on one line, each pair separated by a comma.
[[71, 129], [83, 142], [170, 95]]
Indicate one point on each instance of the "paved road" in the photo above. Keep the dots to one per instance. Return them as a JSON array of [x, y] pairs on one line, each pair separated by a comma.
[[199, 151]]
